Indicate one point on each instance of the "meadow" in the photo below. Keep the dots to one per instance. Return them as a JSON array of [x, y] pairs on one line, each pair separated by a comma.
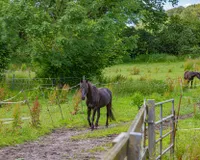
[[130, 83]]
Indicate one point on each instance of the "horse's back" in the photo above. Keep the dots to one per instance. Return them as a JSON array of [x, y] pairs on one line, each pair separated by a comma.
[[189, 75], [105, 96]]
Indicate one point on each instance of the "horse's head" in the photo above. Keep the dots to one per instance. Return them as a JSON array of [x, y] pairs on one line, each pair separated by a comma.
[[84, 88], [198, 75]]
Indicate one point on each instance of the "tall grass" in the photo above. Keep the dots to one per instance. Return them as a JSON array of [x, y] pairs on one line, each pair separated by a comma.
[[152, 58], [192, 64], [146, 87]]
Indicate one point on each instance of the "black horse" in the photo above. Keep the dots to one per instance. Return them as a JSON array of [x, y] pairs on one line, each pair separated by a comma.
[[96, 99], [189, 76]]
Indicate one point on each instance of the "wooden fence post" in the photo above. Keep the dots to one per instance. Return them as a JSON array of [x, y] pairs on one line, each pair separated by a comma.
[[13, 82], [151, 128], [135, 145]]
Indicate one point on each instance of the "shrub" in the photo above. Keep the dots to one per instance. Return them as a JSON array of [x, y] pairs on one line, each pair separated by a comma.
[[137, 99], [23, 67]]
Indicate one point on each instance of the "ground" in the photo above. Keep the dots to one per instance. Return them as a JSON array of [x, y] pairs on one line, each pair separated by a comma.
[[58, 146]]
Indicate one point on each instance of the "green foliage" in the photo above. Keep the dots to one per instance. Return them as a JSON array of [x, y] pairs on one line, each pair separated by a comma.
[[188, 149], [68, 38], [137, 99], [4, 57], [23, 67], [17, 117]]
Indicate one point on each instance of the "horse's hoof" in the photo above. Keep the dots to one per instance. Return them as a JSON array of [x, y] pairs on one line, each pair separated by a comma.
[[92, 127]]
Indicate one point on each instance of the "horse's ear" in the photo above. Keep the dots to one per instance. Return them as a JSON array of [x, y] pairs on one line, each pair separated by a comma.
[[81, 81], [86, 81]]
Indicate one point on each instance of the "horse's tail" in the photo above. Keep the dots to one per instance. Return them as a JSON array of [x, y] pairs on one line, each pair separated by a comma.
[[111, 115]]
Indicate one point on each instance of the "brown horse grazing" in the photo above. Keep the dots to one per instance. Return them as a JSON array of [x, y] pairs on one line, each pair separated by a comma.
[[96, 99], [189, 76]]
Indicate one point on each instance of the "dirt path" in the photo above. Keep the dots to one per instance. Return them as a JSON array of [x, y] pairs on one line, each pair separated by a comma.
[[57, 146]]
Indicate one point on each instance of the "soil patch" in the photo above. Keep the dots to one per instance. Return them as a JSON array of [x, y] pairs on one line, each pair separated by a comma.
[[58, 146]]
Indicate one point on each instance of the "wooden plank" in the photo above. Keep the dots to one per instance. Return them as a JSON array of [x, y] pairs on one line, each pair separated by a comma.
[[134, 149], [145, 154], [118, 151], [119, 138], [136, 125], [11, 119]]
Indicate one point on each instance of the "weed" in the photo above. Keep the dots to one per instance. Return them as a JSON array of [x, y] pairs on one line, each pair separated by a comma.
[[16, 117], [52, 96], [64, 92], [2, 93], [135, 71], [35, 114], [157, 70], [169, 70], [76, 101], [144, 78], [119, 77]]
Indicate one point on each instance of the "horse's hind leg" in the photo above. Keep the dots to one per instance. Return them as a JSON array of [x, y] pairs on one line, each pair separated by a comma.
[[93, 117], [107, 115]]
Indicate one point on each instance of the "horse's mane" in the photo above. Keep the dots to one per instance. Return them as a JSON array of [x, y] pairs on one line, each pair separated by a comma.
[[94, 93]]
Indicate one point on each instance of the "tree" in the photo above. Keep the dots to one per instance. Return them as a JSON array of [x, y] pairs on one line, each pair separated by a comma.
[[75, 38]]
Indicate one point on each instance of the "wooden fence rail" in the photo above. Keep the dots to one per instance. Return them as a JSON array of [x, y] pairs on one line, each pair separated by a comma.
[[131, 145]]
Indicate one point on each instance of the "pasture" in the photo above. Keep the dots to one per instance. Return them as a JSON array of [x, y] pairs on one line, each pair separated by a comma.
[[128, 82]]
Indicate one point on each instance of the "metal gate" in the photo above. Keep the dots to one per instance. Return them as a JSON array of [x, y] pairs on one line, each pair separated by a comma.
[[131, 145]]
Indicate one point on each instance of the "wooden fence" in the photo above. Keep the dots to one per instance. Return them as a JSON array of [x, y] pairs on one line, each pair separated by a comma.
[[131, 145]]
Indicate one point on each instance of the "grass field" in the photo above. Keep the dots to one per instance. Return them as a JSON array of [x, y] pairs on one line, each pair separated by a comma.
[[163, 80]]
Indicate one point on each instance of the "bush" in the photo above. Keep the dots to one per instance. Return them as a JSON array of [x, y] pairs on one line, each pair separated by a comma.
[[137, 99], [23, 67]]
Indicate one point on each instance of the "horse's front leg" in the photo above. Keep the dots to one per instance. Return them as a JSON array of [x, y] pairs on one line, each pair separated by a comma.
[[88, 113], [93, 117], [191, 83], [98, 116]]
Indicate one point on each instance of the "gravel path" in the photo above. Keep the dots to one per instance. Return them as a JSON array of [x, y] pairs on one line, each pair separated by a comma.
[[57, 146]]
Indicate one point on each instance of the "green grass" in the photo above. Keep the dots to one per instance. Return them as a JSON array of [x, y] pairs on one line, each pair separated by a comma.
[[27, 132], [159, 81], [157, 71]]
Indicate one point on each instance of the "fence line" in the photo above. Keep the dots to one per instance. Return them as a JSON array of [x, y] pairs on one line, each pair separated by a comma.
[[10, 120], [19, 102]]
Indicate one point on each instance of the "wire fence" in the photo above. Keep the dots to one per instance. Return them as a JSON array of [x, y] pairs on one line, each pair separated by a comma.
[[23, 95]]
